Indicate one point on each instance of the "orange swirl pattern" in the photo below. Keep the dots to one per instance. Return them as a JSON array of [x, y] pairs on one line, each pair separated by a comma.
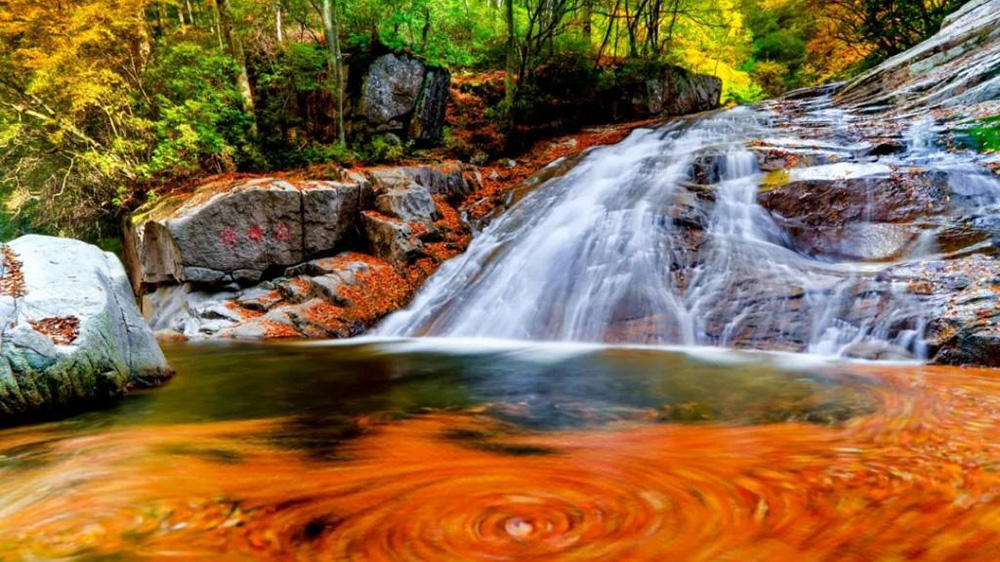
[[917, 480]]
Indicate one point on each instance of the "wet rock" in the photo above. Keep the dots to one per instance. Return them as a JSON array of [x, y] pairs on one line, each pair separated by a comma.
[[70, 332], [707, 169], [863, 241], [959, 301], [779, 159], [835, 198], [888, 148], [876, 351]]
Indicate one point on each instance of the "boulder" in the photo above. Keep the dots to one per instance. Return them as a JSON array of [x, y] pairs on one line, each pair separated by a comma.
[[400, 93], [427, 125], [663, 90], [679, 92], [391, 88], [390, 238], [412, 203], [315, 284], [229, 233], [70, 331]]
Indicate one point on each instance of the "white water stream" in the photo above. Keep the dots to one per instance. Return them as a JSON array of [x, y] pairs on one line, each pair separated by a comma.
[[603, 253]]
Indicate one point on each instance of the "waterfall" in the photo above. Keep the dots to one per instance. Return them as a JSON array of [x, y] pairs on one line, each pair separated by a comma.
[[628, 246]]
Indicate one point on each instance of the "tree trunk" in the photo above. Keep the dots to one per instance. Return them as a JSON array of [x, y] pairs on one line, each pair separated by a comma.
[[331, 25], [239, 57], [190, 12], [279, 25], [426, 29], [588, 18], [511, 62], [216, 23]]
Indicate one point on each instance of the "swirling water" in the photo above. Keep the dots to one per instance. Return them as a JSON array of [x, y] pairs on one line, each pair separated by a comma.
[[463, 451]]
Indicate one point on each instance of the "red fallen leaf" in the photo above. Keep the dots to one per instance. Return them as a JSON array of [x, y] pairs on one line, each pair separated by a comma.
[[62, 330], [12, 281]]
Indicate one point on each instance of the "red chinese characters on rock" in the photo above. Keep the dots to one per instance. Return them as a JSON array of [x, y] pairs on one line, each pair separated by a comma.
[[281, 232], [228, 237], [256, 234]]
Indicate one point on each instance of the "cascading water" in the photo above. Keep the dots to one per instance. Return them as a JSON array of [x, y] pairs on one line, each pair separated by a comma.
[[662, 239]]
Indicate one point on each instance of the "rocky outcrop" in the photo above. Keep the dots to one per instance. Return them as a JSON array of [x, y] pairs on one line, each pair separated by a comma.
[[404, 95], [859, 212], [959, 66], [70, 332], [277, 258], [678, 92], [235, 231]]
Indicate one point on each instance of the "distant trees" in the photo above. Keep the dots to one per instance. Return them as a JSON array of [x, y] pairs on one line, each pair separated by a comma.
[[890, 26]]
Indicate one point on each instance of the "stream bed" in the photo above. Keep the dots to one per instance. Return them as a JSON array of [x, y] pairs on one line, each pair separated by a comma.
[[465, 450]]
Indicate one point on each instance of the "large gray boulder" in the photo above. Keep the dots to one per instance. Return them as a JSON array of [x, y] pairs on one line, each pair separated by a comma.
[[391, 88], [680, 93], [402, 94], [70, 331], [234, 233]]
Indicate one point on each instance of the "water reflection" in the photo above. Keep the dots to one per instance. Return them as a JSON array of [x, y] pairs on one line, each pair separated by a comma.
[[376, 452]]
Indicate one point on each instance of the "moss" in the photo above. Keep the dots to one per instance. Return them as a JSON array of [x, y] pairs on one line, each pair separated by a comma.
[[983, 136], [986, 136], [774, 180]]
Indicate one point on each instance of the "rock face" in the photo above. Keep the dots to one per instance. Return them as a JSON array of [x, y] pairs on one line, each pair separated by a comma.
[[959, 66], [234, 233], [275, 258], [678, 92], [70, 332], [402, 94]]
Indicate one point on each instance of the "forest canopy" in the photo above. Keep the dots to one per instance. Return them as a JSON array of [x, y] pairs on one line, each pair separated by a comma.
[[103, 102]]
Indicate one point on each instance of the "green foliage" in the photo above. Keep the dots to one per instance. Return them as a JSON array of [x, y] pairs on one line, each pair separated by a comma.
[[383, 149], [195, 116], [985, 135], [315, 153]]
